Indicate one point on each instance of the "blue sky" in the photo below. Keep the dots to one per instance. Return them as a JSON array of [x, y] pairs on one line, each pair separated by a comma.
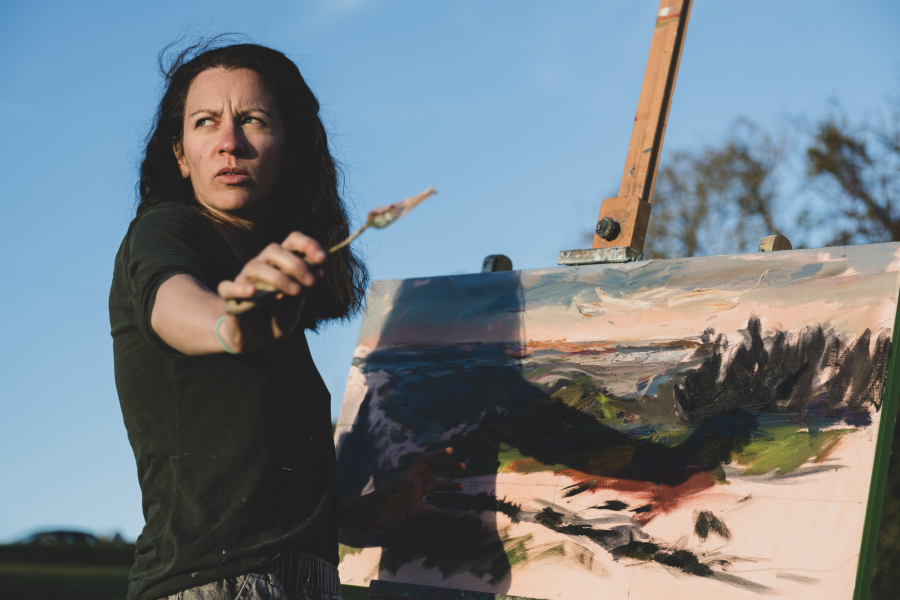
[[518, 112]]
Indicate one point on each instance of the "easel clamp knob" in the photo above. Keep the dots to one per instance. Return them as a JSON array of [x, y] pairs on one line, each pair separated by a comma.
[[608, 229]]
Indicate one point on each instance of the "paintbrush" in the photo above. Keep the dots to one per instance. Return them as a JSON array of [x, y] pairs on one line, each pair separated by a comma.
[[378, 218]]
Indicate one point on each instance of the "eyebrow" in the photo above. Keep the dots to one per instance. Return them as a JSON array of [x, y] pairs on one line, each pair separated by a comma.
[[216, 112]]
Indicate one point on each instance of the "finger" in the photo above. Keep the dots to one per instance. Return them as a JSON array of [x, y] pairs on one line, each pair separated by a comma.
[[399, 486], [233, 289], [265, 276], [289, 263], [441, 485], [434, 456], [441, 467], [428, 509], [305, 245]]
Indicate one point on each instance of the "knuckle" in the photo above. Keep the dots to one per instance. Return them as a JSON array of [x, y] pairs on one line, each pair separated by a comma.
[[296, 237], [281, 279]]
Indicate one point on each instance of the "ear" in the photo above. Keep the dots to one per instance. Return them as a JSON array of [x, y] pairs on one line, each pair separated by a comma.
[[182, 163]]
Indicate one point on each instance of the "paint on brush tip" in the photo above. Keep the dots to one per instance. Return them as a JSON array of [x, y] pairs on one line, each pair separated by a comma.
[[385, 215]]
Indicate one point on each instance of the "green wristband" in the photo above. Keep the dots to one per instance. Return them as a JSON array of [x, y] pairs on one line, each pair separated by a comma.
[[219, 337]]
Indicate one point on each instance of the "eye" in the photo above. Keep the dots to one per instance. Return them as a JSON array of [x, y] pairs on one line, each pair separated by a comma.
[[204, 122], [253, 121]]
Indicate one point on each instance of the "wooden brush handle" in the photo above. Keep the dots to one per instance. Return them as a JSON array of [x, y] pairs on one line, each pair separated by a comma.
[[235, 306]]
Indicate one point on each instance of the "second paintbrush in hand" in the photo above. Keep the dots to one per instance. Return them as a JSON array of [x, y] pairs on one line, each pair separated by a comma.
[[378, 218]]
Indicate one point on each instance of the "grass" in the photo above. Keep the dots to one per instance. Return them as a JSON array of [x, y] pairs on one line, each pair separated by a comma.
[[30, 581], [78, 573]]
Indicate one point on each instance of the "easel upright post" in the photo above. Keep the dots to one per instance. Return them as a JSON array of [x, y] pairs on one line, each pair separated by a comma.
[[622, 224]]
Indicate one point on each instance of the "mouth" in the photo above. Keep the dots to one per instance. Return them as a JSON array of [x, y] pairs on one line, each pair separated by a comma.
[[232, 176]]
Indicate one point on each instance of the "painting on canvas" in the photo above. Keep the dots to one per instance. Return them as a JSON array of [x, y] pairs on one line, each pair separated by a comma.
[[701, 427]]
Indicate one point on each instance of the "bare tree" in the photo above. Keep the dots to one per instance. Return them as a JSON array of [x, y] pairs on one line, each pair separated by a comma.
[[856, 172], [719, 199], [723, 198]]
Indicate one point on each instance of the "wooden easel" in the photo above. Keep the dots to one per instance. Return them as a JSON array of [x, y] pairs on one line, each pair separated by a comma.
[[623, 220], [622, 224]]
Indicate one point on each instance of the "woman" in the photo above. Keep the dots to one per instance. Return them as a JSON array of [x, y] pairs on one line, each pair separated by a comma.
[[228, 417]]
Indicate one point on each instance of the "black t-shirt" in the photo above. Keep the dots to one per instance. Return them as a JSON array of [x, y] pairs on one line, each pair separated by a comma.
[[234, 453]]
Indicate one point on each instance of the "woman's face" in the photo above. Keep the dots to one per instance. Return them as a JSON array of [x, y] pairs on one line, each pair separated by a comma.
[[233, 142]]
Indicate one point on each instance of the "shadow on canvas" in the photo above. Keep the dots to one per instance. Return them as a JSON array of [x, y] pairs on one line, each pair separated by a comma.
[[648, 425]]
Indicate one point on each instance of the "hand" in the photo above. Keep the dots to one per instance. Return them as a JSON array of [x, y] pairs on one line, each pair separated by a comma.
[[402, 497], [277, 268]]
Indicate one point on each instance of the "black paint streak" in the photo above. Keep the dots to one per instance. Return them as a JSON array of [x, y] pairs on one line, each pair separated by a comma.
[[577, 488], [798, 578], [480, 502], [643, 509], [705, 522], [637, 550], [612, 505], [683, 560], [781, 379], [549, 518]]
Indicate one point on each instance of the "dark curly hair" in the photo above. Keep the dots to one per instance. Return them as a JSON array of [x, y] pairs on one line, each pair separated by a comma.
[[307, 201]]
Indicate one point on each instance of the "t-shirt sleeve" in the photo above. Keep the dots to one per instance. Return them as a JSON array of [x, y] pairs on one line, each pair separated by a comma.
[[162, 243]]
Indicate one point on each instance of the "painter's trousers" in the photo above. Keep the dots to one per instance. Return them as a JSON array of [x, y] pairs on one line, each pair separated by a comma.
[[294, 576]]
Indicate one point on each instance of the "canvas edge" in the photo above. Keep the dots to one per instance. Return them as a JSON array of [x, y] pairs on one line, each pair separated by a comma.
[[877, 488]]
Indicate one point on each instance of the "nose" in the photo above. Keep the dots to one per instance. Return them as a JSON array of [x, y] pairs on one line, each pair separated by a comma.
[[231, 138]]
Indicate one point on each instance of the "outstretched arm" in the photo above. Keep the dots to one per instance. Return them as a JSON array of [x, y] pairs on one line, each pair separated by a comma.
[[186, 312]]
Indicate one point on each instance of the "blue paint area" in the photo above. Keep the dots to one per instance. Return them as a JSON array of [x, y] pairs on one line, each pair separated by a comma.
[[656, 382], [806, 271]]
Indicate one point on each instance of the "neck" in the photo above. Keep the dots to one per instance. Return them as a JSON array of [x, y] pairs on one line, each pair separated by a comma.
[[246, 235]]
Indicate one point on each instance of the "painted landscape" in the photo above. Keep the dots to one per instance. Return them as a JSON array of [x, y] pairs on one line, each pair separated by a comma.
[[699, 427]]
